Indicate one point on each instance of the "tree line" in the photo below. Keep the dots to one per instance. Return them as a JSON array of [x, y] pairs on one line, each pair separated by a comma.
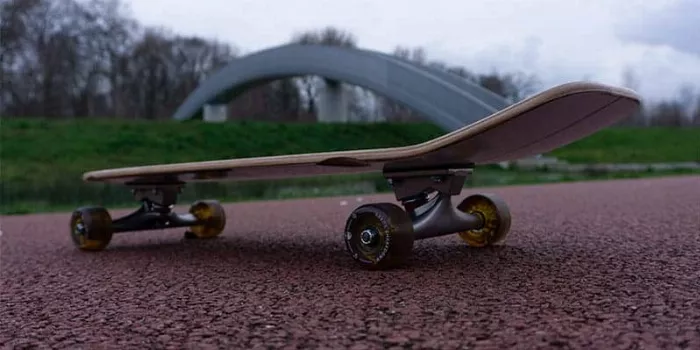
[[92, 59]]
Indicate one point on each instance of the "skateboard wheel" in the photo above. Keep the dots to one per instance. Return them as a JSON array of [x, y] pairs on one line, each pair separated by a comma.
[[379, 236], [211, 216], [495, 215], [91, 228]]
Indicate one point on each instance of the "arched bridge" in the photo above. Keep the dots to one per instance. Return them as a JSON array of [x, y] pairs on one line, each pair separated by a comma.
[[447, 100]]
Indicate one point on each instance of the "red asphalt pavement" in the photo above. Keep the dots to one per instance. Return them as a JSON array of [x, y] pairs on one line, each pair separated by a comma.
[[587, 265]]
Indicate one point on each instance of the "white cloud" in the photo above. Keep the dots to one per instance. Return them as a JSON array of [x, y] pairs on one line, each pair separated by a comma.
[[556, 40], [676, 25]]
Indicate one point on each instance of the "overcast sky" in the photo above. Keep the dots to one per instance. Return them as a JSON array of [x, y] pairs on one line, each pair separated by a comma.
[[559, 41]]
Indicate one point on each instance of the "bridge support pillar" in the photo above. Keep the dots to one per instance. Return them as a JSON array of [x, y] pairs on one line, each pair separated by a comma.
[[215, 113], [333, 102]]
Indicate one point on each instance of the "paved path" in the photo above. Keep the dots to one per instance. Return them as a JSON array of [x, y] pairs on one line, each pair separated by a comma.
[[589, 265]]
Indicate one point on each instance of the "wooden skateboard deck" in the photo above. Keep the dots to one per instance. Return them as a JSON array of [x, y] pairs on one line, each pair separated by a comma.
[[378, 235], [539, 124]]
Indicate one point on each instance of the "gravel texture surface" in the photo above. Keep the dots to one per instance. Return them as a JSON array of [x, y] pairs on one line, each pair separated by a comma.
[[587, 265]]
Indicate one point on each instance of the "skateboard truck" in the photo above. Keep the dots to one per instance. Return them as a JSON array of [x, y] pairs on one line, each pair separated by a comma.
[[381, 235], [377, 236], [155, 212], [92, 228], [439, 217]]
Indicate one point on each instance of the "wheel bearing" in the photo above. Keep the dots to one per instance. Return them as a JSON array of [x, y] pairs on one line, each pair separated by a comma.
[[495, 217]]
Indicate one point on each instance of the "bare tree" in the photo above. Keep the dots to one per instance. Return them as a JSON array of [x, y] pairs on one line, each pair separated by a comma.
[[667, 114], [74, 58], [630, 81], [90, 58], [686, 98], [114, 34], [38, 54], [696, 113], [463, 73], [512, 86]]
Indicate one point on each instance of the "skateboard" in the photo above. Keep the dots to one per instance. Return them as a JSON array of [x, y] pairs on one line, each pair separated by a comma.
[[424, 178]]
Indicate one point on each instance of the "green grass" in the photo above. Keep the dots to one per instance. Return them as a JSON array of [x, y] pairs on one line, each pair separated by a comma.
[[40, 150], [41, 160], [635, 145]]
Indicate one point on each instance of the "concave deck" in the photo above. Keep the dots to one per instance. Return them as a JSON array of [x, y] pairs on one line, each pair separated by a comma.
[[539, 124]]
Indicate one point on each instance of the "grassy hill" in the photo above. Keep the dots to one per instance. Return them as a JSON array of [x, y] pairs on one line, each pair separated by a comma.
[[40, 147], [43, 159]]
